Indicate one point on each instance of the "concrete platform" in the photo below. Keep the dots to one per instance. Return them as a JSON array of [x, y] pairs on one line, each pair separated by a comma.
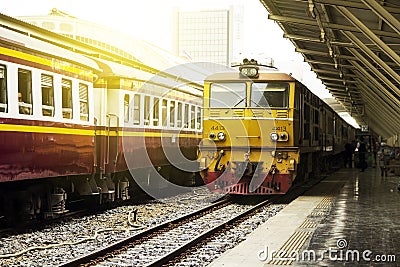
[[349, 212]]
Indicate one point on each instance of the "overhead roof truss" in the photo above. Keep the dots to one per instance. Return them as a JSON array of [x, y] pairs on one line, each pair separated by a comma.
[[354, 48]]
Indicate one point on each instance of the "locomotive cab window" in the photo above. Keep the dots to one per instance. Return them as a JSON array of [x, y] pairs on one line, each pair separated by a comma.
[[227, 95], [24, 91], [274, 95], [3, 89]]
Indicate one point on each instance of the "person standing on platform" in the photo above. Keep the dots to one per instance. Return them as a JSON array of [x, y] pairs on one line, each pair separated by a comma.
[[348, 156], [375, 150], [362, 150]]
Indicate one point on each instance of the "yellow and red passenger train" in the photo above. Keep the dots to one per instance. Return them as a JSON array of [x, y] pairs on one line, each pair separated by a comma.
[[68, 122], [74, 126], [262, 129]]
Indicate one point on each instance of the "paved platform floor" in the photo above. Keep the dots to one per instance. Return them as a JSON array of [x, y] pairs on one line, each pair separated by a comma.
[[364, 223], [351, 218]]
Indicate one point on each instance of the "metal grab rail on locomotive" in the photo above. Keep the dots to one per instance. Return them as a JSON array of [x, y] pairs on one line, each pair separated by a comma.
[[262, 129]]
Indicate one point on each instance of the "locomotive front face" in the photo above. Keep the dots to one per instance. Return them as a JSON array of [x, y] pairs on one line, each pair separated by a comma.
[[247, 143]]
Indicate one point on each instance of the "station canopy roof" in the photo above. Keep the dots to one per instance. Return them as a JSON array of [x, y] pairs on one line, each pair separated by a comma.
[[353, 46]]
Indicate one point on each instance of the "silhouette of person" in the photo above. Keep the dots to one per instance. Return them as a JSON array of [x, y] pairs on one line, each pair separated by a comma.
[[348, 154], [22, 108], [362, 149]]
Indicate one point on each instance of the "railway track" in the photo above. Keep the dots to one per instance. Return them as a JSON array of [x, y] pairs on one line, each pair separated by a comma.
[[165, 243], [170, 257], [189, 249], [122, 245]]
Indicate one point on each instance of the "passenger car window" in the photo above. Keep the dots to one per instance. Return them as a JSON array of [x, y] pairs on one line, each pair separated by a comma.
[[84, 102], [146, 110], [198, 118], [192, 117], [136, 109], [179, 119], [186, 116], [25, 92], [47, 95], [3, 89], [66, 98], [156, 111], [172, 114], [126, 108], [164, 112]]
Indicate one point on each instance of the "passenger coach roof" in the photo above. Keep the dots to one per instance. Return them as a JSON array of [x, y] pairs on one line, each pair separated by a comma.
[[113, 69], [16, 39], [353, 46]]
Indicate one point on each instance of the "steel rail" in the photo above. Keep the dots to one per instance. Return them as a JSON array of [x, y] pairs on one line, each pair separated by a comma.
[[213, 231], [122, 245], [104, 253]]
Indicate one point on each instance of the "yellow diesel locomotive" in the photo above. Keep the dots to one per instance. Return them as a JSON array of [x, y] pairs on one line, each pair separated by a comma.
[[263, 128]]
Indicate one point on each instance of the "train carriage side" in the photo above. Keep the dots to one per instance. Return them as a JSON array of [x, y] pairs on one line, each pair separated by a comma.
[[62, 134], [310, 129], [322, 134], [47, 124], [143, 123]]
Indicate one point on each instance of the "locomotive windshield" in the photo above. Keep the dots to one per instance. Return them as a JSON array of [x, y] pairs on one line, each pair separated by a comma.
[[224, 95], [274, 95]]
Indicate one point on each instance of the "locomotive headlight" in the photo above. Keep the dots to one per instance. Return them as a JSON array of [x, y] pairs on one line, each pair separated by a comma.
[[221, 136], [274, 136], [253, 72], [212, 136], [244, 71], [249, 71]]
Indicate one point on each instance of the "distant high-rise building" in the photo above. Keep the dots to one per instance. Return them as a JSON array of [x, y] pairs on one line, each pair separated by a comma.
[[209, 36]]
